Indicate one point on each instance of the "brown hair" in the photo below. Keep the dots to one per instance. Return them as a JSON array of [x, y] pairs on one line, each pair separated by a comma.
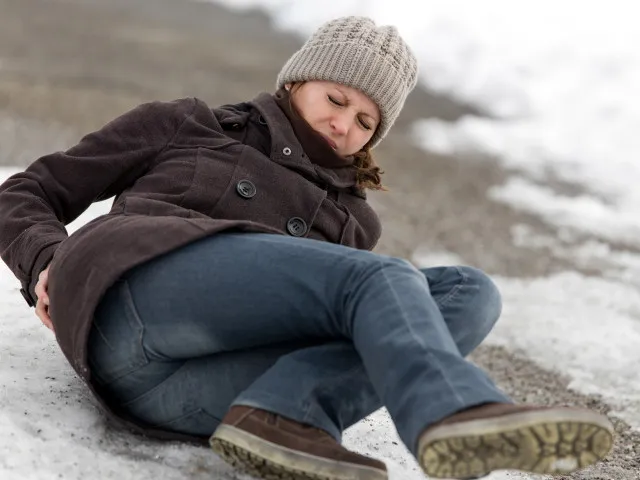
[[367, 170]]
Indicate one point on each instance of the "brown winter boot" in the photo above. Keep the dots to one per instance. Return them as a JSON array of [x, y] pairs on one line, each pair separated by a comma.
[[270, 446], [497, 436]]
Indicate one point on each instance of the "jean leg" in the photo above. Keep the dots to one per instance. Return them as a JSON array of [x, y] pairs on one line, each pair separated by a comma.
[[469, 302], [332, 387], [331, 390], [239, 291], [331, 378]]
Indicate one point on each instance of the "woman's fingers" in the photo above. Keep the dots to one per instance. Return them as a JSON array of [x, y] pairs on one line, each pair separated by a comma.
[[42, 306], [42, 311], [41, 286]]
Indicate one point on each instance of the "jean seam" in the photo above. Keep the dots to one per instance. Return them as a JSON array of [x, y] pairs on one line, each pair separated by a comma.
[[453, 293], [104, 339], [155, 387], [164, 425], [134, 309]]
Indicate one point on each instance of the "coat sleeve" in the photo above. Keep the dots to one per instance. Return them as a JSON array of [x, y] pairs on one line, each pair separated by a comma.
[[35, 205]]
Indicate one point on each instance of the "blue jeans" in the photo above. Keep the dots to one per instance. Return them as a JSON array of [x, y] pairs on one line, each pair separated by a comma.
[[317, 332]]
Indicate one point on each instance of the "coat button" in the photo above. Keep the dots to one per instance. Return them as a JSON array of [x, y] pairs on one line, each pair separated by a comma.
[[246, 189], [286, 151], [297, 227]]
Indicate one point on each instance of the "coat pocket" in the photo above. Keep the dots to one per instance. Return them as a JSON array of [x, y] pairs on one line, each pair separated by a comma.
[[213, 174]]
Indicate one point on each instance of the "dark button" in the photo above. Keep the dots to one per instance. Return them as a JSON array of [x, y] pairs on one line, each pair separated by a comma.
[[27, 296], [297, 227], [246, 189], [232, 126]]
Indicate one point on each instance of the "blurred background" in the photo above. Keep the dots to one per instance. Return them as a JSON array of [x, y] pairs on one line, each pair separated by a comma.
[[69, 66], [516, 153]]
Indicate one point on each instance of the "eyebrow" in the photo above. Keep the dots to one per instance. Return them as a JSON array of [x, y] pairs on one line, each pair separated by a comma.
[[373, 117]]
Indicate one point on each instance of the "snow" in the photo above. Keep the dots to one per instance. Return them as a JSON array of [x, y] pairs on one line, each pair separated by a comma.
[[588, 328]]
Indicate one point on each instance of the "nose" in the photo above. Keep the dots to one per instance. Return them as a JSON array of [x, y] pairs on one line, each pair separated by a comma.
[[340, 124]]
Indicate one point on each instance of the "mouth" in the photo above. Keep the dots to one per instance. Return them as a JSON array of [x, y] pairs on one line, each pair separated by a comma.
[[330, 142]]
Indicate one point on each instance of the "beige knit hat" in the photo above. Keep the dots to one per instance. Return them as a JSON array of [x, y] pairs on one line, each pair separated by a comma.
[[354, 52]]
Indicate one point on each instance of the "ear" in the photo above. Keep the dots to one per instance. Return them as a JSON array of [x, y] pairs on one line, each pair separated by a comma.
[[287, 86]]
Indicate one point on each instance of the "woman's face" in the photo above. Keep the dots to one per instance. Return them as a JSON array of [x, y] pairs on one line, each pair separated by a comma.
[[343, 115]]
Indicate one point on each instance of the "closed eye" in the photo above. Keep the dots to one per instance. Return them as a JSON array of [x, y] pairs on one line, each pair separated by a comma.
[[334, 101], [364, 124]]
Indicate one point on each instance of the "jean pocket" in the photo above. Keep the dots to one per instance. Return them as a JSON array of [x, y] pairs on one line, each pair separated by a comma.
[[115, 347]]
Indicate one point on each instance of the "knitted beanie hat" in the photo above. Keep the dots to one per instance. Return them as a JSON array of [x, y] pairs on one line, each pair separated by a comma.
[[353, 51]]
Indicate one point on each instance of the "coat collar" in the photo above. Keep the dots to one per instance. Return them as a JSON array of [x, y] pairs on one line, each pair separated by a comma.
[[315, 146], [287, 150]]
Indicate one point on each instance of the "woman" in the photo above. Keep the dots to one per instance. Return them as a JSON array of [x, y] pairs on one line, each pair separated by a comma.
[[231, 293]]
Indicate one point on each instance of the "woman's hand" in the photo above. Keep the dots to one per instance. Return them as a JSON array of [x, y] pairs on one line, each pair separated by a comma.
[[42, 307]]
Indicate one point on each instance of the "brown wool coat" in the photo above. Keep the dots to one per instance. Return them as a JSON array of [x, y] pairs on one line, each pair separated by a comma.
[[179, 171]]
